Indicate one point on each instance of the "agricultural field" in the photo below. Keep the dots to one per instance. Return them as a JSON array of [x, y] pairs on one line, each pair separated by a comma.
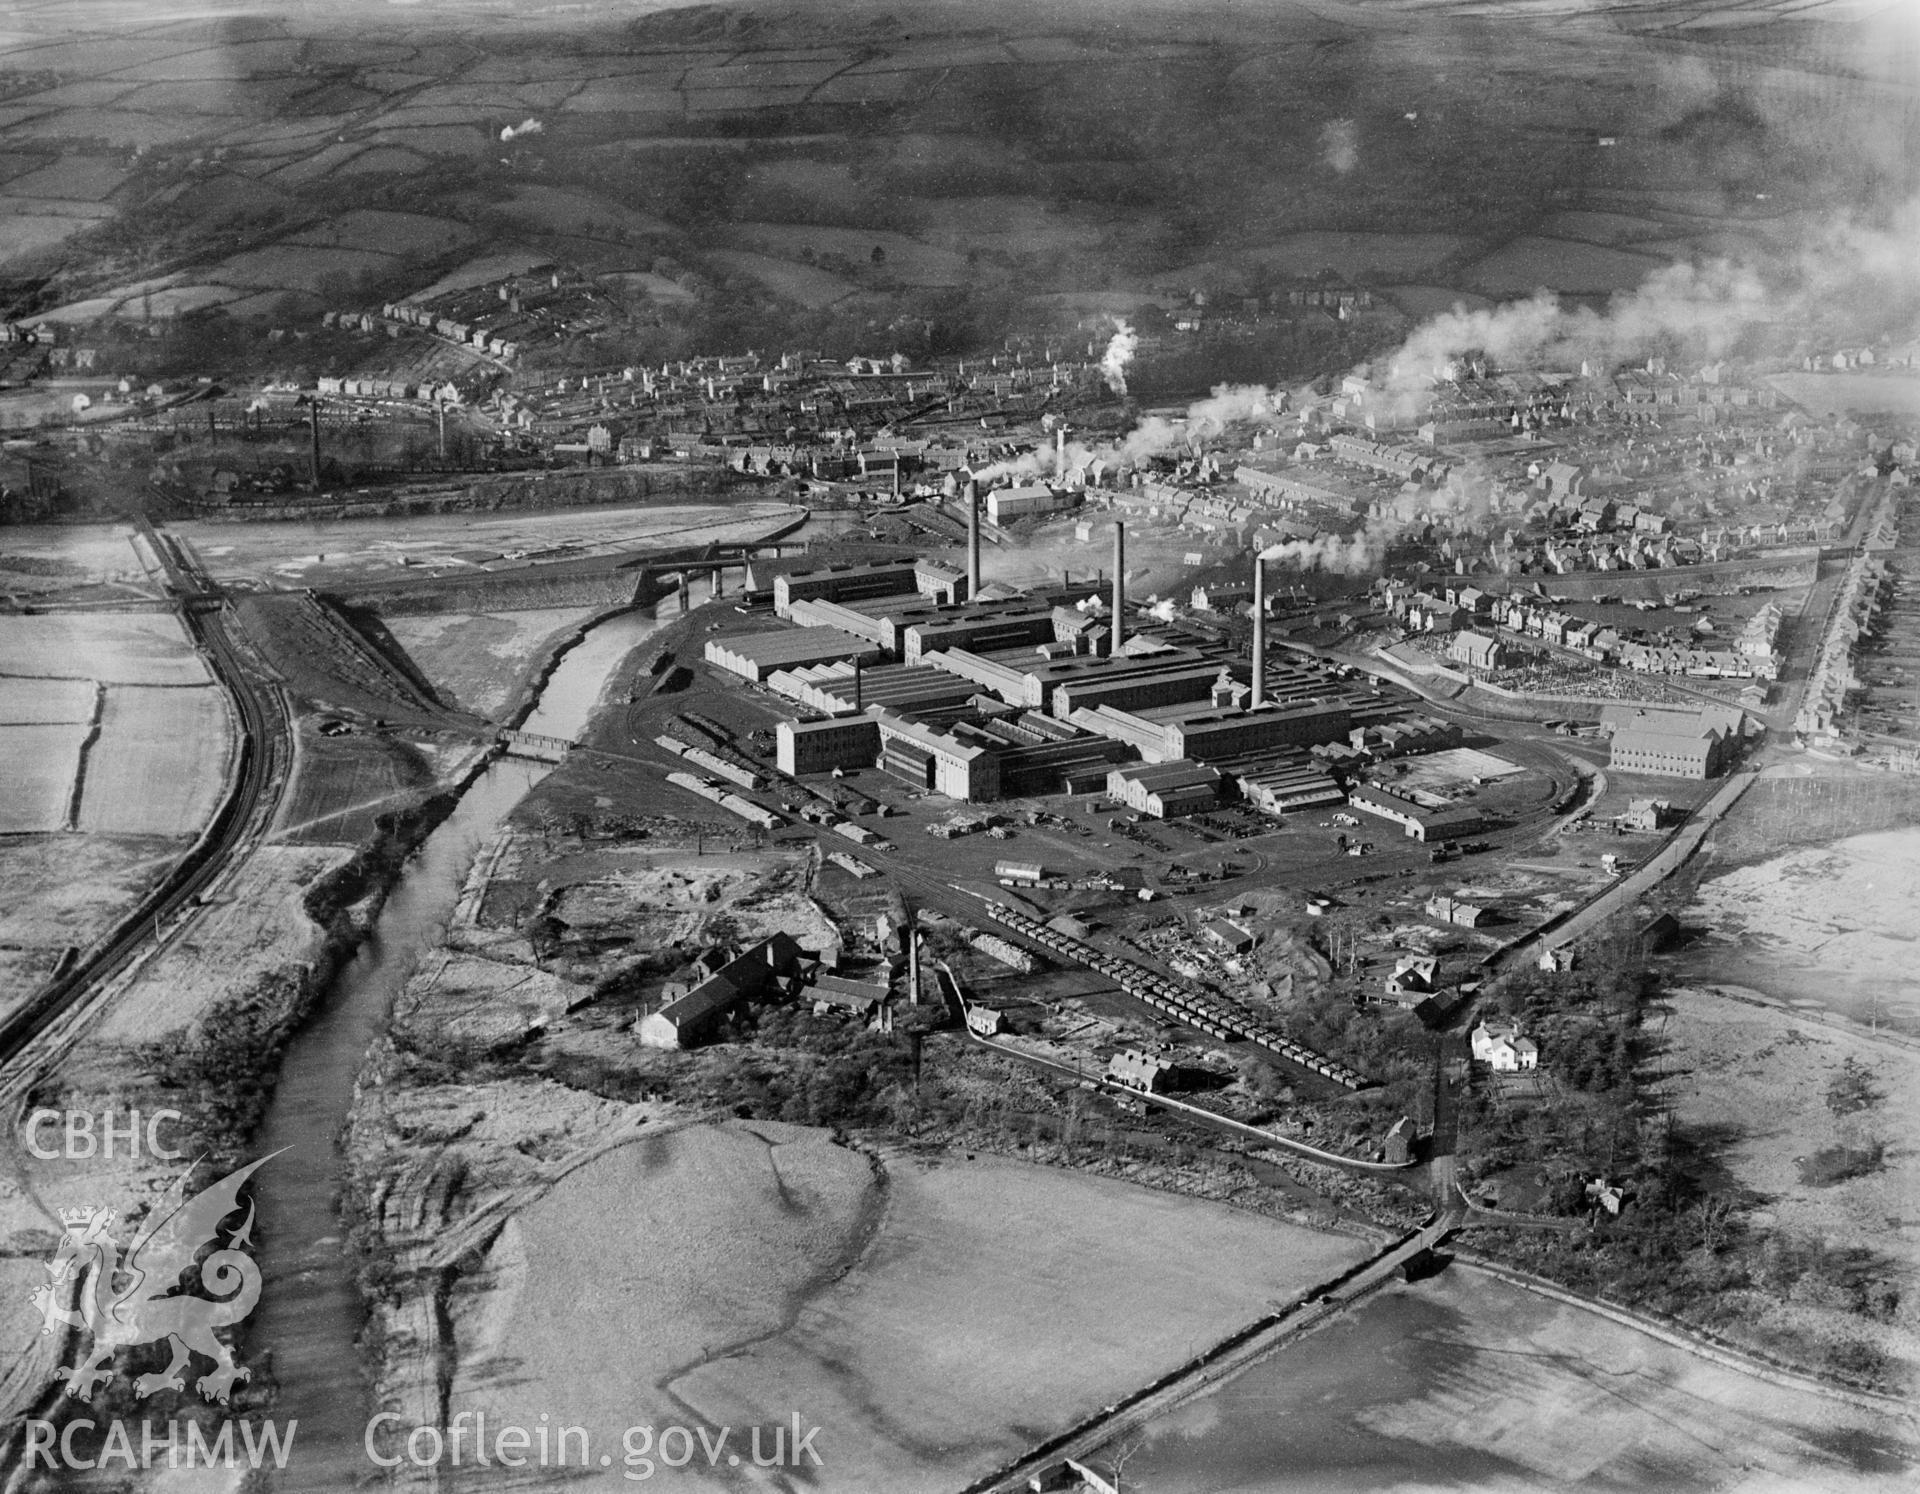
[[35, 702], [1464, 1381], [903, 259], [160, 762], [299, 266], [806, 285], [381, 232], [1530, 262], [37, 769], [62, 890], [539, 209], [73, 178], [765, 1275], [480, 660], [113, 648]]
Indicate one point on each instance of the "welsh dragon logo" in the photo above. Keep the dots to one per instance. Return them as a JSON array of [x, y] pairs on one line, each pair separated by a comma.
[[136, 1299]]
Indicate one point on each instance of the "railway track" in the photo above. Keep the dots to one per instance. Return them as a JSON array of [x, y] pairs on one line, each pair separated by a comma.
[[243, 809]]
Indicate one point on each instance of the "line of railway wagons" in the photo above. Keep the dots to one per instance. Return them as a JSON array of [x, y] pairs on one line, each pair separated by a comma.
[[1165, 995]]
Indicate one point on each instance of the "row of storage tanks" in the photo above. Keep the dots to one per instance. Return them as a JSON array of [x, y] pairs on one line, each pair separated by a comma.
[[1164, 995]]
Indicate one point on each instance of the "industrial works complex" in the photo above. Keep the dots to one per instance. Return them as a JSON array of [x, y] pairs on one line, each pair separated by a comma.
[[981, 694]]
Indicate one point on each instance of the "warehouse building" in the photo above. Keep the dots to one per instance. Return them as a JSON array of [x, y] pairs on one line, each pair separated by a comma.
[[851, 583], [1417, 820]]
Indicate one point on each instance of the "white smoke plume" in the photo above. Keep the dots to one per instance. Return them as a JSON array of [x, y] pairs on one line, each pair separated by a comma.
[[1849, 281], [1356, 555], [1120, 350], [525, 127]]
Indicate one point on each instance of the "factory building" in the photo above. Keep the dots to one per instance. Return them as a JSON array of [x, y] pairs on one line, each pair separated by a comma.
[[1417, 820], [1166, 790], [979, 629], [906, 689], [850, 583], [1008, 505], [754, 656], [1286, 782], [931, 759], [1208, 733], [846, 742]]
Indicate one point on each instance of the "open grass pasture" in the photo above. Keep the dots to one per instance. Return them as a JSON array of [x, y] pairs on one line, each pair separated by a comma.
[[160, 763], [979, 1304], [1530, 262], [37, 767], [114, 648], [34, 702]]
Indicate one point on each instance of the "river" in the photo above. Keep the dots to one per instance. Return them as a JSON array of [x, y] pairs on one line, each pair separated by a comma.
[[310, 1313]]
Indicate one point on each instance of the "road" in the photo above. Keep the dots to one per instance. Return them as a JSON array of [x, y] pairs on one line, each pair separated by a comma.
[[1221, 1362], [1623, 894]]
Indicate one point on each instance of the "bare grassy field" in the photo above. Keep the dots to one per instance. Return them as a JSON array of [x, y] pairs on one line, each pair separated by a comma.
[[386, 233], [160, 763], [1759, 1076], [934, 1323], [1528, 263], [297, 266], [806, 284], [37, 766], [1466, 1382], [114, 648], [341, 783], [254, 924], [28, 702], [62, 890], [480, 658]]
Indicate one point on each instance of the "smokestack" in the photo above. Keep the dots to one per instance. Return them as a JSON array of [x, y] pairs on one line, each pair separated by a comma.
[[973, 540], [859, 688], [913, 965], [1060, 453], [313, 426], [1119, 587], [1259, 631]]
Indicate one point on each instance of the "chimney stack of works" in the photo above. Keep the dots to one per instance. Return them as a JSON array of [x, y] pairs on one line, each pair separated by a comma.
[[1117, 634], [1060, 453], [1259, 632], [973, 540]]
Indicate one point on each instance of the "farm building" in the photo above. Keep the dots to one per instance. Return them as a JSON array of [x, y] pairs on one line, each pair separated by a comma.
[[688, 1016], [1412, 979]]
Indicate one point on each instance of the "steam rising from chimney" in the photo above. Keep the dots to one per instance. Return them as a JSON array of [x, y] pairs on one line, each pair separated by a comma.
[[1120, 350]]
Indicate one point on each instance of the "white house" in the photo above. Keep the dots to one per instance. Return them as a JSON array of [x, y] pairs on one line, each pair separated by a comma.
[[1503, 1049]]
